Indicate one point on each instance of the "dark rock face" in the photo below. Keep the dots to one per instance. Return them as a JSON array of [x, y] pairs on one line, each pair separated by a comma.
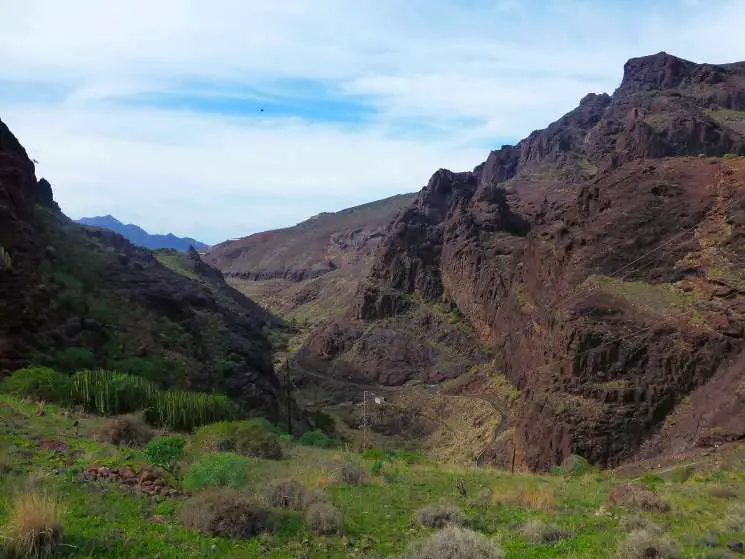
[[598, 258], [45, 196], [92, 290]]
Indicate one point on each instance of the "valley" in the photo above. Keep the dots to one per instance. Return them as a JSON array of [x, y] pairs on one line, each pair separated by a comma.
[[540, 357]]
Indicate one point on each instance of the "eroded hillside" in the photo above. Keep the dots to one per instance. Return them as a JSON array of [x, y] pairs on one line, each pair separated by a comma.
[[599, 259]]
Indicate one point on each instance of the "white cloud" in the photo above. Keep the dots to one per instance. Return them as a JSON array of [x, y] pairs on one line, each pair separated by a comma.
[[476, 72]]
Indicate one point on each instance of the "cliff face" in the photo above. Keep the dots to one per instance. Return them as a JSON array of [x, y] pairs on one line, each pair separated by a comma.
[[75, 297], [599, 259]]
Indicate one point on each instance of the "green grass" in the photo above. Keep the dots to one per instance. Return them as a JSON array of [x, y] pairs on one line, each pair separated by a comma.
[[661, 299], [107, 520]]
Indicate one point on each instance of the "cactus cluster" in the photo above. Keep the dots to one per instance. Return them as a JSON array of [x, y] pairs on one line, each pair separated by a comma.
[[5, 261]]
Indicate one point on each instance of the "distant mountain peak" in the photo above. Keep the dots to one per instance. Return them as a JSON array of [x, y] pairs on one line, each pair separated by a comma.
[[138, 236]]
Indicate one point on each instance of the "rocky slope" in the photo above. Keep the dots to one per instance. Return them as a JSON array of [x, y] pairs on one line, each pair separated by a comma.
[[141, 238], [317, 246], [75, 297], [599, 259]]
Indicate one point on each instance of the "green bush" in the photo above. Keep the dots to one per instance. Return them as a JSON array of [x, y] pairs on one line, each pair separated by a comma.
[[376, 467], [164, 452], [222, 469], [112, 393], [183, 411], [318, 439], [75, 359], [136, 366], [215, 437], [39, 383], [254, 437]]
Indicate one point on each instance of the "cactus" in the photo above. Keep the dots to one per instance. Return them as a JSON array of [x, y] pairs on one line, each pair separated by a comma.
[[5, 261]]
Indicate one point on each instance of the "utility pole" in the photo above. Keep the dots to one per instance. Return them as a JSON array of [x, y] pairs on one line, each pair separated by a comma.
[[288, 389], [364, 420]]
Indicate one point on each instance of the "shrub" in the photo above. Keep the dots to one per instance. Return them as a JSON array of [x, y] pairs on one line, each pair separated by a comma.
[[129, 430], [112, 393], [34, 523], [183, 411], [637, 496], [318, 439], [75, 359], [352, 474], [538, 532], [641, 544], [39, 383], [576, 465], [215, 437], [439, 516], [323, 519], [376, 467], [254, 437], [455, 542], [164, 452], [222, 469], [285, 494], [230, 514]]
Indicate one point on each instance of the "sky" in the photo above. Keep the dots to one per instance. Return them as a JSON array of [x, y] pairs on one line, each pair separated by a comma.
[[152, 111]]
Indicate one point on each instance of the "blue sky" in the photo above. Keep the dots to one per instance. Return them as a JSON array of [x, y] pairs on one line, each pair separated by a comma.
[[151, 111]]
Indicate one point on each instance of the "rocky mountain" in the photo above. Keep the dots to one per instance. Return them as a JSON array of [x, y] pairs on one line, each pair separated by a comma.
[[76, 297], [141, 238], [599, 261]]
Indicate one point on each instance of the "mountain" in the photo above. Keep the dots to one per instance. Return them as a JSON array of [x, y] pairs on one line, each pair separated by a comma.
[[595, 268], [139, 237], [76, 297], [308, 272]]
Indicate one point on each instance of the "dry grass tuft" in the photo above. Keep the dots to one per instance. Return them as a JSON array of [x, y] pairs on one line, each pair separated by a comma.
[[642, 544], [455, 542], [439, 516], [538, 532], [222, 512], [535, 498], [285, 494], [323, 519], [637, 496], [129, 430], [34, 525], [352, 474]]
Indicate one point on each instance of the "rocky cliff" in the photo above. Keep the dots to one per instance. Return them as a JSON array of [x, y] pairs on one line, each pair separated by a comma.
[[75, 297], [599, 260]]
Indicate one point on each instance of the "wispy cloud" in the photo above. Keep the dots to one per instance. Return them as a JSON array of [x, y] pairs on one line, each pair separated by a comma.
[[151, 111]]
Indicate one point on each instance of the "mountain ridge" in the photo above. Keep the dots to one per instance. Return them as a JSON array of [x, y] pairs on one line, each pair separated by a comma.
[[138, 236]]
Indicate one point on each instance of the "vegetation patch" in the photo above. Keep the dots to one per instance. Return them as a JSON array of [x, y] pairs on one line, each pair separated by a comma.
[[226, 513], [439, 516], [323, 519], [455, 542], [34, 526], [129, 430], [222, 469], [38, 383]]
